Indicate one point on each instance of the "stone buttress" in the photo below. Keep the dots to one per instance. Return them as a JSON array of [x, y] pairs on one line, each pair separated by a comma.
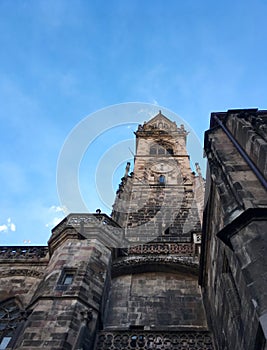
[[233, 271]]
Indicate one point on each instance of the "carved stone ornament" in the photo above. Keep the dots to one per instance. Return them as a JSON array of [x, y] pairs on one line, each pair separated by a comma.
[[22, 272], [154, 340], [26, 253]]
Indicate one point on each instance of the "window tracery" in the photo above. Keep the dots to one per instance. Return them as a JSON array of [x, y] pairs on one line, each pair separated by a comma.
[[10, 316], [161, 150]]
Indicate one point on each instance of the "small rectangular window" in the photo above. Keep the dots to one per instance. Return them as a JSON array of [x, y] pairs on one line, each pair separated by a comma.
[[68, 279]]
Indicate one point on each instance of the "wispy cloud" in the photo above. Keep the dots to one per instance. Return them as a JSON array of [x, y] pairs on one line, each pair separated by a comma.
[[53, 222], [53, 210], [155, 102], [58, 209]]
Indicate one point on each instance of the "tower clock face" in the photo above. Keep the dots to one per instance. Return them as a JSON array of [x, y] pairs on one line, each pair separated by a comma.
[[162, 168]]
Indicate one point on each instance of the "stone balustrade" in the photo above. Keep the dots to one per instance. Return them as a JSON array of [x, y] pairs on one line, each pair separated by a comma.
[[23, 252], [148, 340]]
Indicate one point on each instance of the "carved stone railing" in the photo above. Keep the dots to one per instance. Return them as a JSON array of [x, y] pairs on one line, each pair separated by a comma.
[[23, 253], [81, 221], [174, 255], [76, 219], [147, 340], [181, 249]]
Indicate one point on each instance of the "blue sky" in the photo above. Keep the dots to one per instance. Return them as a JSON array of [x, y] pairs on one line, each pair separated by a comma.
[[61, 61]]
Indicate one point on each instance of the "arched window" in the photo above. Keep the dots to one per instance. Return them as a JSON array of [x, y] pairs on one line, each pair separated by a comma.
[[10, 316], [161, 150], [153, 150], [162, 180]]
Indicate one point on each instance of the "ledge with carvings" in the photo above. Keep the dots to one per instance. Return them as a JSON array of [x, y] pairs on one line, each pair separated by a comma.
[[182, 249], [147, 340], [34, 253], [80, 221], [145, 263]]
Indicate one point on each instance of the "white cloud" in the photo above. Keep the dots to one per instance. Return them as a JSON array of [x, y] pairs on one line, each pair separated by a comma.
[[12, 227], [57, 209], [9, 226], [3, 228], [55, 214], [53, 222]]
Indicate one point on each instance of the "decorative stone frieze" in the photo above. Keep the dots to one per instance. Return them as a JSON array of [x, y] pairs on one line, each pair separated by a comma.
[[22, 272], [23, 253], [148, 340]]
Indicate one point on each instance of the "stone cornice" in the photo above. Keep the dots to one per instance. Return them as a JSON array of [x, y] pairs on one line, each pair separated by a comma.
[[144, 263]]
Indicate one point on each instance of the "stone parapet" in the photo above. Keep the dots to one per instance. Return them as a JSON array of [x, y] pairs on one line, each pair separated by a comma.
[[23, 253], [147, 340]]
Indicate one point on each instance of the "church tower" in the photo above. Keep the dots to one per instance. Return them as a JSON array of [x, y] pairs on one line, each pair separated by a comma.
[[154, 300], [157, 201]]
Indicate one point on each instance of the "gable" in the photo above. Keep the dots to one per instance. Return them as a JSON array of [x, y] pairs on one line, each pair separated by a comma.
[[161, 122]]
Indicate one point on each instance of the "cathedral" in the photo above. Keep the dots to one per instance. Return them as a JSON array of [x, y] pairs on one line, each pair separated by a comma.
[[180, 264]]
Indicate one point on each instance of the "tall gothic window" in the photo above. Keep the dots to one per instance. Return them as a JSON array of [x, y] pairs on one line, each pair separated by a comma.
[[10, 316]]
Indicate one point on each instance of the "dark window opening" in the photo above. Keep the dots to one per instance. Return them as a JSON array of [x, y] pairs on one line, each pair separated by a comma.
[[170, 151], [162, 179], [153, 150], [136, 326], [167, 231], [67, 277]]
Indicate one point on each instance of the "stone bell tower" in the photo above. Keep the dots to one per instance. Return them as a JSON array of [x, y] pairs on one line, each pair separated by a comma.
[[154, 300], [158, 201]]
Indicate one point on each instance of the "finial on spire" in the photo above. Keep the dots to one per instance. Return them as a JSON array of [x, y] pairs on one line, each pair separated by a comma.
[[159, 111], [198, 169], [127, 169]]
